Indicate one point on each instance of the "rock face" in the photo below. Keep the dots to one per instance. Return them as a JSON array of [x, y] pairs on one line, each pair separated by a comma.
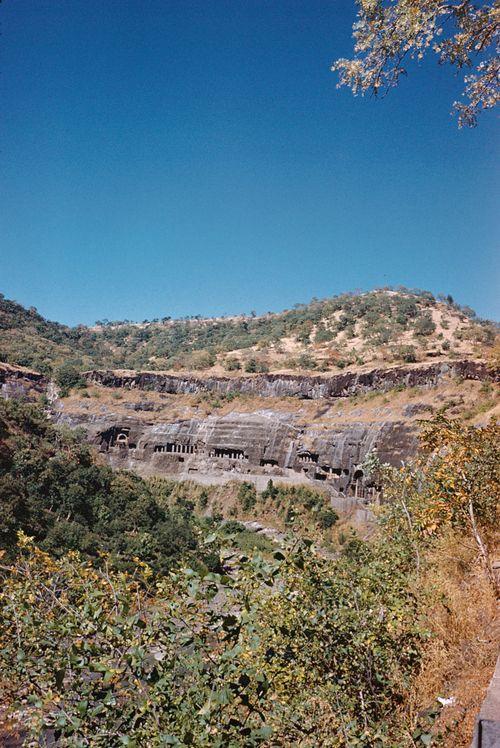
[[307, 387], [254, 444], [259, 444], [267, 443], [16, 381]]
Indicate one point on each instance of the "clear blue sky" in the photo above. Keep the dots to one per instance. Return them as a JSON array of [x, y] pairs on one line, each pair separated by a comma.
[[172, 157]]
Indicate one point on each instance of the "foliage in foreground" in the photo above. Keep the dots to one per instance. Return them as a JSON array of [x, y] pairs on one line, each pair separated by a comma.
[[454, 484], [296, 651]]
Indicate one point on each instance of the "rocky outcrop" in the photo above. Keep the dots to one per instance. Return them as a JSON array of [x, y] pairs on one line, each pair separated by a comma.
[[307, 387], [17, 381]]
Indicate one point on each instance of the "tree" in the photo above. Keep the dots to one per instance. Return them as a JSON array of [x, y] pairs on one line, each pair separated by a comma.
[[68, 376], [454, 483], [459, 32]]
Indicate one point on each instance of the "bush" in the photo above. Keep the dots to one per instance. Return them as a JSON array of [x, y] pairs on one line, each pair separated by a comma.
[[327, 518], [203, 360], [232, 364], [306, 361], [424, 326], [247, 496], [407, 353], [68, 376], [270, 492], [323, 335], [254, 366], [203, 499], [297, 646], [232, 527]]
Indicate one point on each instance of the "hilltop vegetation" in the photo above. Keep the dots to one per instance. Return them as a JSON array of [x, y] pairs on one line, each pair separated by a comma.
[[351, 329]]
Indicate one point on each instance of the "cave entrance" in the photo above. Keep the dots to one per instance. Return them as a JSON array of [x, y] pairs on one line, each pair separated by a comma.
[[306, 456], [173, 448], [232, 454]]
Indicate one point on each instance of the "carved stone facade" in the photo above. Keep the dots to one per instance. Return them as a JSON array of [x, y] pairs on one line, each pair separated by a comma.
[[252, 443]]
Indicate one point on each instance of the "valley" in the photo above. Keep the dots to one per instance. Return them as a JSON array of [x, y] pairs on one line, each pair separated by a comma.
[[202, 466]]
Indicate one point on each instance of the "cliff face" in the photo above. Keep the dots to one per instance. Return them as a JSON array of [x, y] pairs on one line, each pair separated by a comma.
[[17, 381], [257, 445], [252, 445], [306, 387]]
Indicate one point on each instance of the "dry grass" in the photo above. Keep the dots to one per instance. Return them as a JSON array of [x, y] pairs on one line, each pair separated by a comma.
[[460, 657], [472, 399]]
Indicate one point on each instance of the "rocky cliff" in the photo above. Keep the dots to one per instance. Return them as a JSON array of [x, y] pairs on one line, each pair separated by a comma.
[[250, 445], [17, 381], [307, 387]]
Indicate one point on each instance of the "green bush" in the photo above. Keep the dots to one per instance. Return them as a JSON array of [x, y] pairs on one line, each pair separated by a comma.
[[232, 364], [424, 326], [327, 518], [247, 496], [306, 361], [254, 366], [323, 335], [407, 353], [68, 376], [287, 637]]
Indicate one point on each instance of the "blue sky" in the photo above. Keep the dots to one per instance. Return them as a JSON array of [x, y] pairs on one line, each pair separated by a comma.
[[176, 157]]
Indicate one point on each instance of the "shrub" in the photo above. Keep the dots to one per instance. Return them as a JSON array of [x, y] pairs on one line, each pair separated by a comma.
[[424, 326], [297, 646], [203, 499], [254, 366], [327, 518], [306, 361], [232, 364], [68, 376], [323, 335], [203, 359], [407, 353], [232, 526], [270, 492], [247, 496]]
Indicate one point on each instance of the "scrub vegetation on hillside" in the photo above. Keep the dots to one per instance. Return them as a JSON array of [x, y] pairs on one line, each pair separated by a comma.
[[352, 329]]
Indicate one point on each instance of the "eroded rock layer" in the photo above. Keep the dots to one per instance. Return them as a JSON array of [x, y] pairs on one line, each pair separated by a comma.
[[288, 385], [17, 381]]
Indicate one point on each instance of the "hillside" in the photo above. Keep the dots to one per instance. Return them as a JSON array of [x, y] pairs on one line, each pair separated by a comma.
[[188, 489], [381, 327]]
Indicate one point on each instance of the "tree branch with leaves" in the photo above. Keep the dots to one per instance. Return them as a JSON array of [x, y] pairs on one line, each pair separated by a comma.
[[464, 34]]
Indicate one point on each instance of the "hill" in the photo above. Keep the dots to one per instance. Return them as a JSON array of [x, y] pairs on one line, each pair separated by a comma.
[[378, 327]]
